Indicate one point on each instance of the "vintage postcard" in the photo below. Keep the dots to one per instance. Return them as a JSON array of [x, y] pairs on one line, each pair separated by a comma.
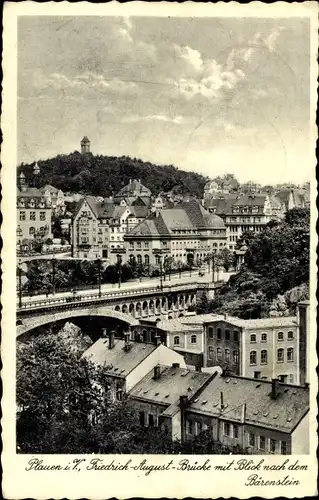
[[159, 250]]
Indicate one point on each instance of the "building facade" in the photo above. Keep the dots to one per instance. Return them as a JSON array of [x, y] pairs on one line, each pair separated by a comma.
[[245, 212], [34, 213], [55, 198], [262, 417], [187, 233]]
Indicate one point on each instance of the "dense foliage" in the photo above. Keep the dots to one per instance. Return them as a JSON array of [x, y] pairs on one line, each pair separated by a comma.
[[276, 262], [104, 175], [62, 409]]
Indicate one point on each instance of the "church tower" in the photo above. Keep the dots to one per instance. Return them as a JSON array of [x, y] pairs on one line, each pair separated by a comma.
[[85, 145]]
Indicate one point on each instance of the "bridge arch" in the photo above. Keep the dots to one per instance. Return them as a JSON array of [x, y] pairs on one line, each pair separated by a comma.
[[31, 323]]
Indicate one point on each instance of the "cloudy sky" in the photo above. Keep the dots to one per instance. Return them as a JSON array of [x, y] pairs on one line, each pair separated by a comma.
[[211, 95]]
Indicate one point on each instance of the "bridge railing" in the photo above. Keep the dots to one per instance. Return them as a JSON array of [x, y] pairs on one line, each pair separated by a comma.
[[109, 295]]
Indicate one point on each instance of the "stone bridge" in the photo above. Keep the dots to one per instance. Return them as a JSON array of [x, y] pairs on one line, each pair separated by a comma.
[[125, 305]]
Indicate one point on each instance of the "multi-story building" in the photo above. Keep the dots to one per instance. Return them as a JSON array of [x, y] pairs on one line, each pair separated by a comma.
[[187, 233], [292, 198], [260, 416], [55, 198], [126, 363], [264, 348], [245, 212], [98, 228], [33, 214]]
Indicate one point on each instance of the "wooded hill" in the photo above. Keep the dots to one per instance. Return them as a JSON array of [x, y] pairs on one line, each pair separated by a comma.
[[106, 175]]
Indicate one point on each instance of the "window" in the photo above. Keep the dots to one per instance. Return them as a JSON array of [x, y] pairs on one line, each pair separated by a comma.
[[176, 340], [290, 335], [291, 378], [146, 259], [139, 244], [280, 336], [194, 339], [31, 231], [219, 354], [264, 357], [139, 259], [253, 338], [190, 426], [252, 439], [226, 429], [262, 443], [236, 357], [257, 375], [157, 259], [272, 446], [119, 394], [264, 337], [219, 333], [235, 431], [142, 418], [146, 245], [150, 420], [227, 335], [235, 336], [22, 215], [280, 356], [290, 354], [211, 352], [210, 332], [253, 357], [42, 215], [283, 448], [131, 247], [227, 355], [32, 215]]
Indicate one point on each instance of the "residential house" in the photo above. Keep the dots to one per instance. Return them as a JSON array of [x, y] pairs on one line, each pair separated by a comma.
[[262, 417], [134, 193], [126, 362], [292, 198], [55, 198], [263, 348], [34, 213], [99, 227], [245, 212]]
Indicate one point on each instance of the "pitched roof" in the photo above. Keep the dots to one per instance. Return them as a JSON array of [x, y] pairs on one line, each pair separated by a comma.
[[251, 324], [222, 204], [249, 199], [50, 188], [117, 361], [29, 192], [184, 216], [134, 188], [173, 325], [282, 413], [85, 139], [172, 383]]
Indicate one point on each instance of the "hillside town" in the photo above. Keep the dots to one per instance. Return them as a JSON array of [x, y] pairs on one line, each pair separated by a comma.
[[134, 290]]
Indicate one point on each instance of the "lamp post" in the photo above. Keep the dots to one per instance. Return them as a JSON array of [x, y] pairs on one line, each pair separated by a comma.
[[53, 274], [20, 283], [213, 265], [99, 275], [119, 263]]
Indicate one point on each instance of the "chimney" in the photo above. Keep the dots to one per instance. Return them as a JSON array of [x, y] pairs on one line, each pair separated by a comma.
[[175, 365], [127, 342], [243, 413], [221, 401], [157, 340], [274, 388], [157, 372], [111, 339], [183, 404]]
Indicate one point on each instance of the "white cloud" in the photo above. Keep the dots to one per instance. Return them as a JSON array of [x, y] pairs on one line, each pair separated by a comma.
[[160, 118], [85, 83]]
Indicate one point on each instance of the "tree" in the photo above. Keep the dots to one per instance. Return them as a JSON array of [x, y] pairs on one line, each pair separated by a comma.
[[225, 258], [57, 394]]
